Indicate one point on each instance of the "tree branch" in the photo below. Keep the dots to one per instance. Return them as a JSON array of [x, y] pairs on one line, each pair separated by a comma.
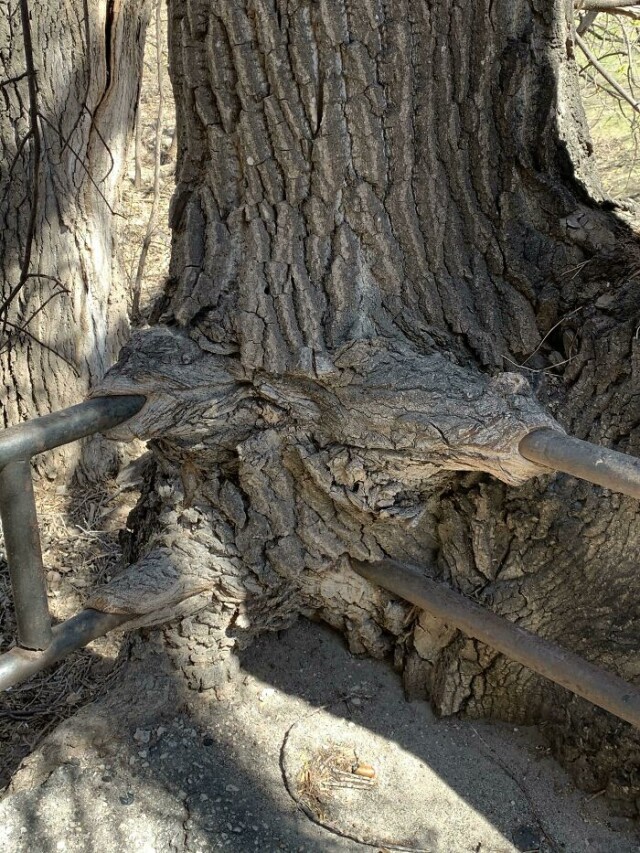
[[607, 76], [586, 22], [594, 7], [603, 5]]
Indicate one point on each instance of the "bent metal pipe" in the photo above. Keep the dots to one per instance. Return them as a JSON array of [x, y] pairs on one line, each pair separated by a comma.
[[18, 664], [604, 689], [36, 640]]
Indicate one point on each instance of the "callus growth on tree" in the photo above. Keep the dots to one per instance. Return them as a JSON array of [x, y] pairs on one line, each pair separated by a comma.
[[381, 399], [370, 437], [381, 211]]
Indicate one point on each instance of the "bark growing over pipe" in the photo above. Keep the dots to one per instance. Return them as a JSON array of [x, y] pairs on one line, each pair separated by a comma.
[[616, 471], [548, 659]]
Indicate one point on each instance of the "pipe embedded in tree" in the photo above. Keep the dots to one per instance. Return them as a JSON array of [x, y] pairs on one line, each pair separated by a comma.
[[40, 647], [565, 668], [616, 471], [32, 437]]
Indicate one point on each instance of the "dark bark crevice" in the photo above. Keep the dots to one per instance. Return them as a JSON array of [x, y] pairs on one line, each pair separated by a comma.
[[69, 315]]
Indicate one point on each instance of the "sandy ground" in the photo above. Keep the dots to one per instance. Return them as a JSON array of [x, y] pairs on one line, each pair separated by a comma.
[[153, 767]]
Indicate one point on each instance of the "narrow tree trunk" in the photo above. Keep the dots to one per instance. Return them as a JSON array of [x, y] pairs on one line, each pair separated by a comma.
[[65, 305], [385, 219]]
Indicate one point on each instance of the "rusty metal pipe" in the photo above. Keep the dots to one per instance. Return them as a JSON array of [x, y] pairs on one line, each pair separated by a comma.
[[19, 664], [565, 668], [616, 471]]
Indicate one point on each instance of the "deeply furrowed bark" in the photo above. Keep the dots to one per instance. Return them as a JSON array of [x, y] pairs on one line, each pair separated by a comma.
[[382, 210], [66, 321]]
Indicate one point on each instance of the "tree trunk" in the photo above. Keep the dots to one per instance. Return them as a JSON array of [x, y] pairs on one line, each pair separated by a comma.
[[385, 223], [64, 301]]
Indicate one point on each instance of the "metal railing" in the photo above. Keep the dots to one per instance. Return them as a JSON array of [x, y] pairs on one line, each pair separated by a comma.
[[559, 665], [616, 471], [40, 645]]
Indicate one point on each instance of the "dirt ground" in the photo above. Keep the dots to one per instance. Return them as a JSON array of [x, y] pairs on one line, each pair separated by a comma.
[[153, 767], [110, 751]]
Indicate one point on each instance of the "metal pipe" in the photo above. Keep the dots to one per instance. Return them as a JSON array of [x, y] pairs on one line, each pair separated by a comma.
[[19, 664], [101, 413], [616, 471], [24, 556], [543, 656]]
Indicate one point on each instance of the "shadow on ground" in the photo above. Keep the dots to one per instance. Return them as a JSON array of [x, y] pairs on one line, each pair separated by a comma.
[[154, 767]]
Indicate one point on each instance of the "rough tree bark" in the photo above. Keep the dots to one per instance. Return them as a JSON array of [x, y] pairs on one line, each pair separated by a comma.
[[64, 301], [391, 260]]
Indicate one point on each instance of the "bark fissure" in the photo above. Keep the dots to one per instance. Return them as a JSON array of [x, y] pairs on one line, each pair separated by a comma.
[[68, 311]]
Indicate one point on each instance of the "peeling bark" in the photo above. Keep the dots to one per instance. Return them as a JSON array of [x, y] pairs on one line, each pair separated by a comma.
[[74, 304], [382, 211]]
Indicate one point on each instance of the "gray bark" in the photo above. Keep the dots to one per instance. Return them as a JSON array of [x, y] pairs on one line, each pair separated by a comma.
[[66, 323], [383, 210]]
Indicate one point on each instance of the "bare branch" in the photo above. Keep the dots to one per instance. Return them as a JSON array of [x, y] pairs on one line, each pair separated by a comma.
[[607, 76], [14, 163], [81, 162], [586, 22], [137, 181], [603, 5], [22, 330], [11, 80]]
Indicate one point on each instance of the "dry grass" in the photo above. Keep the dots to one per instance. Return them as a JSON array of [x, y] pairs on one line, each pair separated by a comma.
[[80, 542], [329, 769]]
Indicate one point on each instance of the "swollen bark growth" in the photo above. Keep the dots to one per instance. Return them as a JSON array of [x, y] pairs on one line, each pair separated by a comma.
[[64, 127], [382, 210]]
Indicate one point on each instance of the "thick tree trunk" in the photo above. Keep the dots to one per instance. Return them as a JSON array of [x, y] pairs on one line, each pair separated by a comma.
[[64, 301], [385, 219]]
